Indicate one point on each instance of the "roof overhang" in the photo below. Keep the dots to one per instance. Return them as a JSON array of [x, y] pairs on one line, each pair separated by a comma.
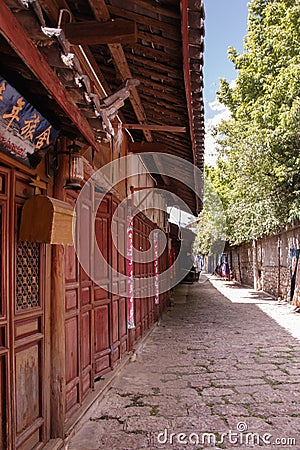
[[162, 48]]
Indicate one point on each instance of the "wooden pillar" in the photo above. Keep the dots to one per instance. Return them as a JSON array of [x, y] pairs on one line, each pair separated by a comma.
[[58, 360]]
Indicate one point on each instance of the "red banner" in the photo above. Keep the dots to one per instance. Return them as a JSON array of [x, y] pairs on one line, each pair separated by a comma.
[[130, 276]]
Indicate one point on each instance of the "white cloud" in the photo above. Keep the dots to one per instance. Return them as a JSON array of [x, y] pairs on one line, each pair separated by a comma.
[[210, 154], [216, 105], [210, 143], [220, 112]]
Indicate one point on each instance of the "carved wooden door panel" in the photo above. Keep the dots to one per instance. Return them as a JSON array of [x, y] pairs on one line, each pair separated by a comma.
[[23, 385], [28, 332], [78, 320], [103, 315], [110, 307], [119, 302], [5, 400]]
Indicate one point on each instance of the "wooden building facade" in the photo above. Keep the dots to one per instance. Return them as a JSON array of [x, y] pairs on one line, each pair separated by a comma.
[[83, 84]]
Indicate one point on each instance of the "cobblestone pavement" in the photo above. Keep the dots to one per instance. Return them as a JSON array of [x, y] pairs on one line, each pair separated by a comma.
[[223, 373]]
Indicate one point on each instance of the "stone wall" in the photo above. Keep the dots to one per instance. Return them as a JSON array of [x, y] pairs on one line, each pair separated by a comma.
[[273, 262]]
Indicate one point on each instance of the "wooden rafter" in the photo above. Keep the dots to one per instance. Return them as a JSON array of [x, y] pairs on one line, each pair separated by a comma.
[[159, 101], [155, 79], [155, 65], [156, 147], [157, 114], [101, 13], [159, 40], [156, 8], [142, 147], [161, 87], [162, 93], [149, 52], [19, 40], [168, 28], [156, 106], [168, 128], [158, 77]]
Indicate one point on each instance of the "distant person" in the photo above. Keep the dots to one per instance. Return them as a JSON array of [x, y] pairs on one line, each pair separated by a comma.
[[225, 271]]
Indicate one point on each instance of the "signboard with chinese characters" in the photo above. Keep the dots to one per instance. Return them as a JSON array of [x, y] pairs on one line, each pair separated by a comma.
[[23, 130]]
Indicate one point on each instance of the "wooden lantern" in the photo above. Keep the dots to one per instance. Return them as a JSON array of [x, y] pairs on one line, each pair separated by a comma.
[[47, 220]]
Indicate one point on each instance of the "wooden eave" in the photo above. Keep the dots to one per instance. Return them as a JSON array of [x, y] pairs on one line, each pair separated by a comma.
[[167, 59], [28, 69]]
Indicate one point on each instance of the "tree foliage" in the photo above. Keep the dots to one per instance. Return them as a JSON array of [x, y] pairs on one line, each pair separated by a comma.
[[257, 174], [211, 226]]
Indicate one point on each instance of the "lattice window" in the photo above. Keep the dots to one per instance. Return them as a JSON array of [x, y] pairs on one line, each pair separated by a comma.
[[28, 274]]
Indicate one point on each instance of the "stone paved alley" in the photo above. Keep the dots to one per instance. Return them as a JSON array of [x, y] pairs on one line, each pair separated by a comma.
[[214, 366]]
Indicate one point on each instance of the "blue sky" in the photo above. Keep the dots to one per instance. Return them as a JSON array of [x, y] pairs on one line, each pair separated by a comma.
[[225, 25]]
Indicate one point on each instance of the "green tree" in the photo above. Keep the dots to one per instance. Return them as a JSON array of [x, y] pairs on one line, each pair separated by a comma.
[[211, 226], [259, 161]]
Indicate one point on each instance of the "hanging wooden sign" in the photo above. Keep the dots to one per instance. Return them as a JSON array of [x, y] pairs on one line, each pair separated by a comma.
[[23, 130]]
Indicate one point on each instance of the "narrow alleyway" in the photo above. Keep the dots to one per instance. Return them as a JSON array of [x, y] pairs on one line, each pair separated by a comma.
[[215, 374]]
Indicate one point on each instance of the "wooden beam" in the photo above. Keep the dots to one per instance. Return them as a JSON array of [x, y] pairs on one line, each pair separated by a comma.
[[142, 147], [51, 9], [138, 126], [83, 54], [93, 32], [101, 13], [118, 55], [99, 9], [19, 40]]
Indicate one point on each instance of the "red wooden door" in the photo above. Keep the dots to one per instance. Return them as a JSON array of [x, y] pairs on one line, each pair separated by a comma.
[[144, 302], [95, 318], [119, 301], [78, 320], [102, 339], [23, 422], [111, 338]]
